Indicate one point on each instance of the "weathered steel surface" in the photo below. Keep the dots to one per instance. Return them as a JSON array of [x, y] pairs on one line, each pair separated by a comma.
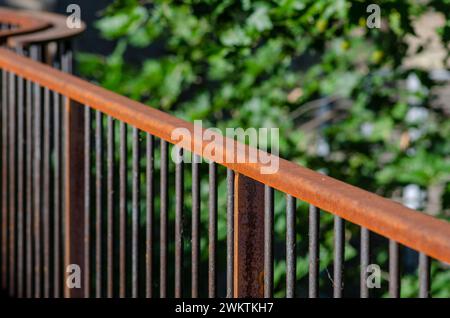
[[291, 255], [110, 207], [74, 189], [230, 231], [248, 237], [150, 210], [163, 224], [314, 251], [52, 27], [24, 23], [424, 275], [338, 262], [179, 205], [268, 241], [212, 231], [364, 252], [394, 269], [195, 227]]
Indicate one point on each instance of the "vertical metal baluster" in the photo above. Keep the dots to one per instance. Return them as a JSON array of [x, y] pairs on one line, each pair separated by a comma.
[[98, 203], [12, 184], [66, 56], [4, 179], [87, 202], [135, 213], [110, 205], [195, 252], [394, 270], [65, 60], [338, 266], [163, 220], [149, 212], [179, 204], [364, 260], [37, 192], [74, 192], [212, 229], [230, 232], [20, 187], [58, 270], [248, 237], [268, 240], [314, 224], [123, 208], [29, 191], [57, 181], [57, 196], [291, 257], [424, 275], [46, 193]]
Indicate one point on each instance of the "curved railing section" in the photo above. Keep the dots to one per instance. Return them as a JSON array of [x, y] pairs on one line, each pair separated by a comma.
[[55, 127], [14, 23]]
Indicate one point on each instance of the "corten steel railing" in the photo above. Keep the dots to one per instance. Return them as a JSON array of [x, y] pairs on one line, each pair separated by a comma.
[[69, 190]]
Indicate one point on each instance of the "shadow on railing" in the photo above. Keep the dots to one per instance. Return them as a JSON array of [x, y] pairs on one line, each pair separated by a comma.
[[56, 200]]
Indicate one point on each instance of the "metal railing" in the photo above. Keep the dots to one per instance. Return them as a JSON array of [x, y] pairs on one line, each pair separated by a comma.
[[70, 196]]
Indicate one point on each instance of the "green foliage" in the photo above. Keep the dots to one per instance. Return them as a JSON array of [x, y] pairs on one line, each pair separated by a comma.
[[311, 68]]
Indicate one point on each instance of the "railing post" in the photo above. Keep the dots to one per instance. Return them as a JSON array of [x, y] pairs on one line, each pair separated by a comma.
[[248, 237], [73, 193]]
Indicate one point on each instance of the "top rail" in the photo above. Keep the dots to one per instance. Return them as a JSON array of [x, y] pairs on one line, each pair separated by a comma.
[[24, 23], [383, 216], [35, 27], [58, 30]]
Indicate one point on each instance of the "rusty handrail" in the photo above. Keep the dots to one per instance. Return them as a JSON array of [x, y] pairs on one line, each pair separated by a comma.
[[25, 23], [380, 215], [58, 31], [35, 27]]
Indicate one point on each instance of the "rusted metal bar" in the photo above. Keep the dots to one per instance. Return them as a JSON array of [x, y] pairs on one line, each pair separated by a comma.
[[110, 207], [385, 217], [179, 204], [46, 193], [87, 203], [65, 56], [57, 185], [135, 214], [21, 217], [37, 187], [314, 252], [12, 118], [163, 225], [20, 187], [230, 232], [338, 264], [364, 250], [195, 231], [212, 230], [98, 204], [268, 241], [122, 209], [29, 190], [291, 255], [74, 193], [4, 179], [394, 269], [150, 214], [248, 237], [24, 23], [51, 28], [424, 275]]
